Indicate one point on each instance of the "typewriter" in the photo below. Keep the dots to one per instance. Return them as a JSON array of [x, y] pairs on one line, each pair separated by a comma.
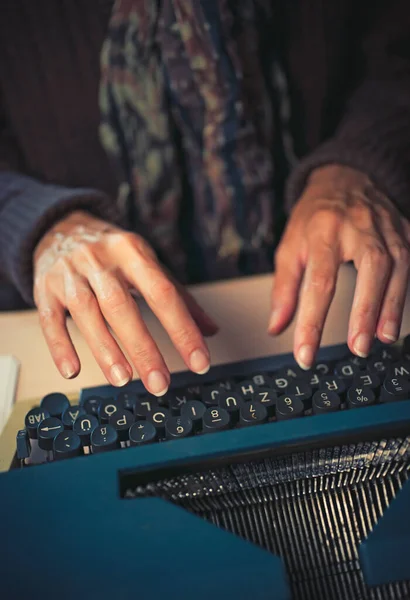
[[255, 481]]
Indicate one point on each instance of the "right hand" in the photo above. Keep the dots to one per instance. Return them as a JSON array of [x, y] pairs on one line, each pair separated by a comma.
[[88, 267]]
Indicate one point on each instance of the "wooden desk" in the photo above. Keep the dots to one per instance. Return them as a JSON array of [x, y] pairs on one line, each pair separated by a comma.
[[241, 307]]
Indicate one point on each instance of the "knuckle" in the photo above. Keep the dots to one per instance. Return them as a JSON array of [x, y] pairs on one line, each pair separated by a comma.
[[310, 331], [163, 293], [48, 316], [323, 281], [400, 254], [376, 257], [185, 338], [81, 299], [143, 357]]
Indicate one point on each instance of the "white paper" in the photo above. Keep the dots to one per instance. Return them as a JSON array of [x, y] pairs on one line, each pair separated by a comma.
[[9, 371]]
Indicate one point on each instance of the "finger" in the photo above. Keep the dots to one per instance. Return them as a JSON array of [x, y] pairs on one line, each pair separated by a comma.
[[53, 324], [84, 309], [206, 324], [317, 293], [286, 283], [166, 303], [391, 313], [373, 264], [123, 316]]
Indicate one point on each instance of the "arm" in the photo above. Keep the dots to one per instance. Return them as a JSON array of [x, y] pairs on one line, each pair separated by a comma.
[[28, 208], [374, 134]]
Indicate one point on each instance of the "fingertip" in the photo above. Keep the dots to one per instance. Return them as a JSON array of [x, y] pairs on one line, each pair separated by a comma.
[[69, 369]]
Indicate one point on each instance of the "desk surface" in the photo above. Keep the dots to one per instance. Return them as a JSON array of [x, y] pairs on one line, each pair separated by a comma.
[[240, 307]]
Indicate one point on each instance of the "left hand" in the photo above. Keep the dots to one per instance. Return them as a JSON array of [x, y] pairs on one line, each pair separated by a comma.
[[341, 217]]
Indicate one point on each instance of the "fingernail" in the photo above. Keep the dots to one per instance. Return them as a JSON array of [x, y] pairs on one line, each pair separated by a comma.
[[391, 331], [274, 318], [362, 345], [157, 383], [67, 370], [305, 357], [199, 362], [119, 375]]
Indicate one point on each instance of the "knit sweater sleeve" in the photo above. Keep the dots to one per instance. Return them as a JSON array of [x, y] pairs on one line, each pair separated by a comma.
[[28, 208], [373, 135]]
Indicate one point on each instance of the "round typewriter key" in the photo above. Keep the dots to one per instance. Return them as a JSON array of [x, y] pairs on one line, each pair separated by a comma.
[[215, 419], [231, 402], [145, 406], [358, 397], [345, 369], [401, 368], [246, 389], [289, 407], [158, 419], [253, 413], [84, 426], [293, 372], [388, 354], [92, 404], [71, 414], [325, 402], [106, 409], [366, 380], [104, 438], [332, 383], [302, 390], [359, 361], [66, 444], [395, 388], [127, 400], [176, 400], [47, 431], [55, 404], [210, 394], [194, 410], [322, 368], [33, 419], [178, 427], [267, 397], [121, 421], [262, 380], [376, 365], [142, 432]]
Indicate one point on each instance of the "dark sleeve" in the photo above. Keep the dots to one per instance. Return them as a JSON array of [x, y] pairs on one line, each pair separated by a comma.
[[28, 208], [374, 133]]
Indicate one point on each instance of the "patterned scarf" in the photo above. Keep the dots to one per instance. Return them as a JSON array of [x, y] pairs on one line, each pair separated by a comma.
[[193, 102]]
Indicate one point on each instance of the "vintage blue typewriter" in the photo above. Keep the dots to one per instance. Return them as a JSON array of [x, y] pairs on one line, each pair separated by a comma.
[[255, 481]]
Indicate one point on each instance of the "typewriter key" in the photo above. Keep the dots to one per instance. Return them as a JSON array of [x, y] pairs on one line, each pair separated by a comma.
[[332, 383], [267, 397], [401, 368], [346, 369], [106, 409], [55, 404], [158, 419], [104, 438], [92, 404], [145, 406], [231, 402], [47, 431], [246, 388], [302, 390], [262, 380], [371, 380], [176, 399], [253, 413], [127, 400], [215, 419], [360, 396], [33, 419], [142, 432], [121, 421], [194, 410], [66, 444], [23, 446], [289, 407], [395, 388], [325, 402], [71, 414], [84, 426], [178, 427]]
